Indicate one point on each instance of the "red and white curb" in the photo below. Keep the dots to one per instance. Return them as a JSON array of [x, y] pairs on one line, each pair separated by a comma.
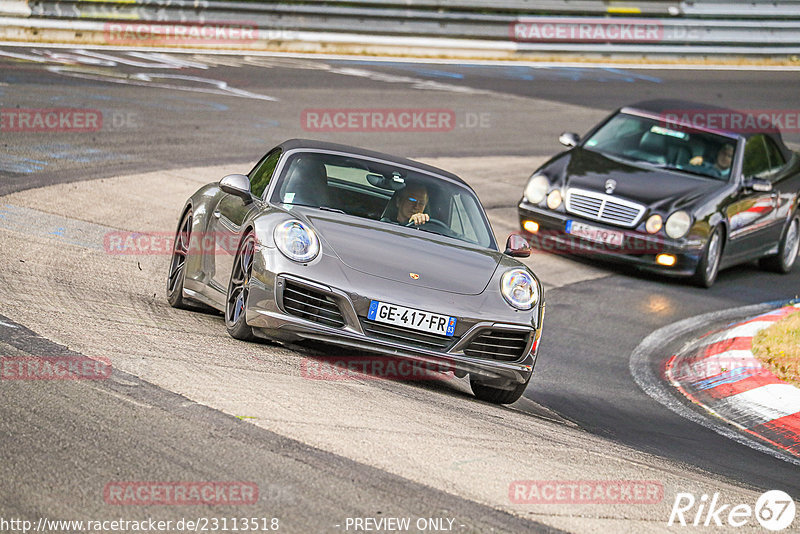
[[722, 375]]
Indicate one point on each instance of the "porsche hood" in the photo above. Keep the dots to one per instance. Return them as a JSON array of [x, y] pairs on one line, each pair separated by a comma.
[[414, 257]]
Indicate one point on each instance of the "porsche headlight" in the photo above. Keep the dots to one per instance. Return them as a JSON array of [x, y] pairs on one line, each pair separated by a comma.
[[519, 289], [296, 241], [654, 224], [678, 224], [536, 189]]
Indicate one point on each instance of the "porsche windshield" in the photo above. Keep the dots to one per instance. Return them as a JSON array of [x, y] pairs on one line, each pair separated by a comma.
[[663, 145], [383, 192]]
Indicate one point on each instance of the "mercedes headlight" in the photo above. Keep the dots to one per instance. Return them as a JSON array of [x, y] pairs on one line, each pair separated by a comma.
[[554, 199], [519, 289], [537, 188], [678, 224], [653, 224], [296, 241]]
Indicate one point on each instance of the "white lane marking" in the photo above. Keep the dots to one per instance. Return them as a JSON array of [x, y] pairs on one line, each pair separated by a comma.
[[416, 60], [145, 80], [8, 325], [416, 83], [766, 403], [645, 377]]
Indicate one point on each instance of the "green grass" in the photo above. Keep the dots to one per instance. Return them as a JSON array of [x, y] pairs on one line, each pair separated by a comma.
[[778, 348]]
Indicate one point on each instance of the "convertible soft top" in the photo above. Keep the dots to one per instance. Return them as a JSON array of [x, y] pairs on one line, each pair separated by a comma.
[[726, 121], [293, 144]]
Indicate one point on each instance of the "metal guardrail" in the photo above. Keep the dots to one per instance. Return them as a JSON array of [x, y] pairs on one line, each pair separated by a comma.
[[551, 25]]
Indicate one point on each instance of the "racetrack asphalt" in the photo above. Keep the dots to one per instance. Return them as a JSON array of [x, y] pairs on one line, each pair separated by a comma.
[[582, 399]]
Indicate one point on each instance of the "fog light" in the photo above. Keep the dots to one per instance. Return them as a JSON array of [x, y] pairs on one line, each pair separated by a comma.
[[667, 260], [531, 226]]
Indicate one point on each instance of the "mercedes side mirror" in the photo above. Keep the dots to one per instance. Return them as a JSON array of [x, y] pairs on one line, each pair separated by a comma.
[[758, 184], [517, 246], [569, 139], [237, 184]]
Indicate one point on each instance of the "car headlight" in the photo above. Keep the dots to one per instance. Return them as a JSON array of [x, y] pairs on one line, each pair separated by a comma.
[[678, 224], [654, 224], [536, 189], [554, 199], [519, 289], [296, 241]]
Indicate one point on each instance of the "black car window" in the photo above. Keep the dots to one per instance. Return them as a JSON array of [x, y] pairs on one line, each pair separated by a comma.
[[776, 159], [262, 173], [756, 160], [664, 144]]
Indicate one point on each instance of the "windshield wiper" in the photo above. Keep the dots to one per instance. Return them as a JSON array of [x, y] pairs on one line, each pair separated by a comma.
[[334, 210], [627, 159], [681, 169]]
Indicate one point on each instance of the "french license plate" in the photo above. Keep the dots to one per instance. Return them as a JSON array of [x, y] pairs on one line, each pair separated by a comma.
[[593, 233], [423, 321]]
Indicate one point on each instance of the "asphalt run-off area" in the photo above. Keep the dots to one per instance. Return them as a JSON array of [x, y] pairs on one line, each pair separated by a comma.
[[169, 424]]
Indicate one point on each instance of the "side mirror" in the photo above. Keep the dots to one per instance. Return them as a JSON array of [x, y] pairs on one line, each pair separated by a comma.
[[237, 184], [758, 184], [569, 139], [517, 246]]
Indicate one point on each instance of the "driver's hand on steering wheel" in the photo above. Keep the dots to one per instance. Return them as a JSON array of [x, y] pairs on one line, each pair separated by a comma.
[[419, 218]]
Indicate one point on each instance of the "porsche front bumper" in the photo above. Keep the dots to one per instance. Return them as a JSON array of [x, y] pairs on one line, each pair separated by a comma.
[[271, 317]]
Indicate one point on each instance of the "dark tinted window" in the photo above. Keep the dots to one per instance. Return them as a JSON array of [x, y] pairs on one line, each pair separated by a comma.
[[261, 175], [663, 144], [776, 161], [382, 191], [756, 160]]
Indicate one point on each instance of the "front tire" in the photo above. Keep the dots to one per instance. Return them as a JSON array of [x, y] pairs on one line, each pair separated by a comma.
[[784, 260], [239, 290], [177, 265], [708, 268], [497, 395]]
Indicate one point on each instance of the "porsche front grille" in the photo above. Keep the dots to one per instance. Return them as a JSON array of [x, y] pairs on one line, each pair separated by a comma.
[[311, 305], [498, 345], [604, 208], [405, 336]]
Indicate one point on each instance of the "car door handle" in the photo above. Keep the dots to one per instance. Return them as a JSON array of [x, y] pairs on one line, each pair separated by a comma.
[[217, 214]]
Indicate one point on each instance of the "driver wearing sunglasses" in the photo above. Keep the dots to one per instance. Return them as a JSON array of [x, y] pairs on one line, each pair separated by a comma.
[[410, 204]]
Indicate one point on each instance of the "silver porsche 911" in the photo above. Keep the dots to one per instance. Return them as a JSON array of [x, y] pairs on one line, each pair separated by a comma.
[[323, 242]]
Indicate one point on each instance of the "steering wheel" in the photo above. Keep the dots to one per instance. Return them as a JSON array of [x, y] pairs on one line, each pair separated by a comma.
[[433, 224]]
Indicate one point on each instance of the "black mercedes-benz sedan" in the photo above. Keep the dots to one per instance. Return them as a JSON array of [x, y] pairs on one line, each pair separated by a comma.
[[671, 186]]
